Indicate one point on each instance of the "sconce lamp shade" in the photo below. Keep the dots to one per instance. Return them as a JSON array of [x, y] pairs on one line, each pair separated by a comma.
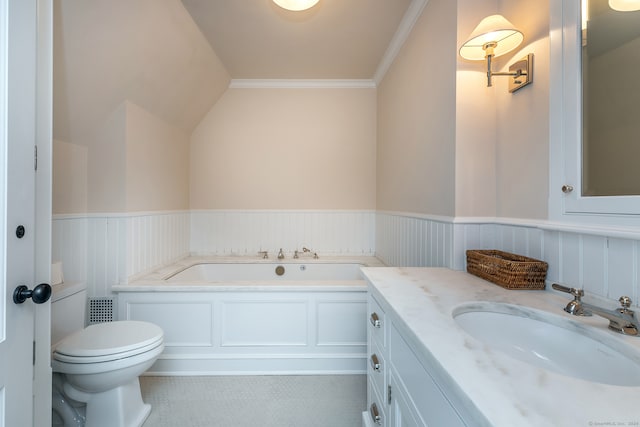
[[495, 30], [296, 5], [624, 5]]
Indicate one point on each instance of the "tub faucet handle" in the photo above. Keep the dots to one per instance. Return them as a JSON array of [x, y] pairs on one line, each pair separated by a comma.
[[265, 254]]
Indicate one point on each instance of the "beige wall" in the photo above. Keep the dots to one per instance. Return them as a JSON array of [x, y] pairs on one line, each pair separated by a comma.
[[69, 193], [475, 122], [107, 164], [286, 149], [135, 162], [149, 52], [157, 159], [522, 167], [416, 118]]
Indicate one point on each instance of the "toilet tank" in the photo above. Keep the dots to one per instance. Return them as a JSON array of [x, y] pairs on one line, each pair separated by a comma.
[[68, 310]]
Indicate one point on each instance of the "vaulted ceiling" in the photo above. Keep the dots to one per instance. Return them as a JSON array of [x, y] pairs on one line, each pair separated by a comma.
[[336, 39], [175, 58]]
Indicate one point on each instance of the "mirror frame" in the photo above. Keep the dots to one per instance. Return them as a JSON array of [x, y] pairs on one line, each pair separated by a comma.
[[565, 125]]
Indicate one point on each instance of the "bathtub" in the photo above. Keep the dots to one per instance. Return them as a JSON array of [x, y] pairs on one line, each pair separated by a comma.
[[232, 272], [234, 316]]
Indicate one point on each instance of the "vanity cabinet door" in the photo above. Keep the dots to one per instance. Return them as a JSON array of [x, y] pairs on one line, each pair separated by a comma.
[[415, 387], [401, 413]]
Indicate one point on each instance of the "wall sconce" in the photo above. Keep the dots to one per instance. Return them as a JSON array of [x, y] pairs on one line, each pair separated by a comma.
[[624, 5], [494, 36]]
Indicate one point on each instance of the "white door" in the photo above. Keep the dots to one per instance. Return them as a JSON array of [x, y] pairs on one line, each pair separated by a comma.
[[18, 124]]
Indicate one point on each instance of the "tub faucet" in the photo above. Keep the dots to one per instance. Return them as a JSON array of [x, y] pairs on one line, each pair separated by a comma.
[[307, 250], [265, 254], [280, 254], [621, 320]]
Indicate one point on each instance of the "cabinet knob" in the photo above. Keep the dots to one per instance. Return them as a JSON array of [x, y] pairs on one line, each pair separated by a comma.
[[566, 189], [375, 415], [375, 320], [375, 363]]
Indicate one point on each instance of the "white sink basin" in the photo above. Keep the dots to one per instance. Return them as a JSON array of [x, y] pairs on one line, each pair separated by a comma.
[[551, 342]]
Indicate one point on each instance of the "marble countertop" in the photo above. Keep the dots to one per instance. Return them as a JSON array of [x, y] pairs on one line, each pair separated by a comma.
[[497, 387], [155, 280]]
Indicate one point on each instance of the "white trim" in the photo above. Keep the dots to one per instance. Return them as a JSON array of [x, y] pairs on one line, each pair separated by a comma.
[[568, 227], [565, 125], [404, 29], [98, 215], [302, 84], [287, 211]]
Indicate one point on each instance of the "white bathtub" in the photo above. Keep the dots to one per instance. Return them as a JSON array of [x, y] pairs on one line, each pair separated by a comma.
[[217, 272], [230, 315]]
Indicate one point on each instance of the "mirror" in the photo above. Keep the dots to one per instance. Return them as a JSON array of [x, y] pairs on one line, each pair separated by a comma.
[[611, 100]]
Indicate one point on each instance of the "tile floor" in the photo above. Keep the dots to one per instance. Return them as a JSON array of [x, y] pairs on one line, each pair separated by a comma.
[[252, 401]]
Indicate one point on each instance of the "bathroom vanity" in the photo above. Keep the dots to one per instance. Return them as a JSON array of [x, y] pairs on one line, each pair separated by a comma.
[[426, 370]]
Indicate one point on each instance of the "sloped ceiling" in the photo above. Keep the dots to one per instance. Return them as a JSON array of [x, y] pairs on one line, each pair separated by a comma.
[[175, 58], [336, 39], [146, 51]]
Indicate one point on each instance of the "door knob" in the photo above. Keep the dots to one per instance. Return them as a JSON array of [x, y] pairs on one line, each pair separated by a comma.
[[39, 294]]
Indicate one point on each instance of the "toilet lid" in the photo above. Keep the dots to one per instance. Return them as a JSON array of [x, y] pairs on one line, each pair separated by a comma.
[[110, 339]]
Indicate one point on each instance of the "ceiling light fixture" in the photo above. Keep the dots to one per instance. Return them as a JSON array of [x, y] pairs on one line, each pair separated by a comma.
[[296, 5], [624, 5], [495, 36]]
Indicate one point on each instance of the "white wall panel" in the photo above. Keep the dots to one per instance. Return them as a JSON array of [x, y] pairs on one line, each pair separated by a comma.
[[604, 266], [252, 323], [107, 249], [246, 233]]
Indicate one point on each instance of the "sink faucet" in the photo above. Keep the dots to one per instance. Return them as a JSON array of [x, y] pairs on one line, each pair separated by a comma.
[[621, 320], [280, 254]]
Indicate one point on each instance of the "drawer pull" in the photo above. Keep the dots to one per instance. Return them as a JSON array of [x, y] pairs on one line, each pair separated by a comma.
[[375, 415], [375, 364], [375, 320]]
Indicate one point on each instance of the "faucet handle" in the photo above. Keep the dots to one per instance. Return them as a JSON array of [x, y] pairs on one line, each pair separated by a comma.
[[578, 293], [625, 302], [574, 306]]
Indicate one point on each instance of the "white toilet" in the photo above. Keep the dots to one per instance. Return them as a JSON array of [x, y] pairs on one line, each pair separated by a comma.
[[96, 368]]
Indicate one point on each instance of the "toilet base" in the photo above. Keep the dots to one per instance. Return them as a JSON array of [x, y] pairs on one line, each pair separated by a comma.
[[121, 406]]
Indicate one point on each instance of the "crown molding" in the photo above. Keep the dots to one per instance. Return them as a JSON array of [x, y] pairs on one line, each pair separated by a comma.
[[302, 84], [404, 29]]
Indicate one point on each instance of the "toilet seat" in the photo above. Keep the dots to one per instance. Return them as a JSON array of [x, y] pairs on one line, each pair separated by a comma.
[[110, 341]]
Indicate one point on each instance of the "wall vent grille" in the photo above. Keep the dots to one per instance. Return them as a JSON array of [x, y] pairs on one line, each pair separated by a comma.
[[100, 310]]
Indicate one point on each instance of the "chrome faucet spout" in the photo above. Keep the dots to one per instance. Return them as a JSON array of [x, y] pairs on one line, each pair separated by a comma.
[[280, 254]]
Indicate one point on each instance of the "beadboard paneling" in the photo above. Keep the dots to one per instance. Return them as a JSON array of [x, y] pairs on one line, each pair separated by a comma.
[[107, 249], [247, 232], [413, 241], [604, 266]]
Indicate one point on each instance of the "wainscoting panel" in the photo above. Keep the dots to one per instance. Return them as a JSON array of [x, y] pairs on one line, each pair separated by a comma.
[[405, 241], [606, 267], [69, 246], [103, 250], [247, 232], [156, 239]]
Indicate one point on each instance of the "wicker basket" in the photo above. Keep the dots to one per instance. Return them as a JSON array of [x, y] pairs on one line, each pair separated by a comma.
[[507, 270]]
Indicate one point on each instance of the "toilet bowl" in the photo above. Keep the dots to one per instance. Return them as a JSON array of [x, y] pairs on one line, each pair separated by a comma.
[[99, 367]]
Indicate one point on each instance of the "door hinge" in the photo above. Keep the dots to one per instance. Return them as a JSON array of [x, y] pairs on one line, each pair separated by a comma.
[[388, 395], [35, 157], [34, 353]]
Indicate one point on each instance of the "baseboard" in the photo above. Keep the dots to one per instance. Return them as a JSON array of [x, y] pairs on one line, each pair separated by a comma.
[[192, 365]]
